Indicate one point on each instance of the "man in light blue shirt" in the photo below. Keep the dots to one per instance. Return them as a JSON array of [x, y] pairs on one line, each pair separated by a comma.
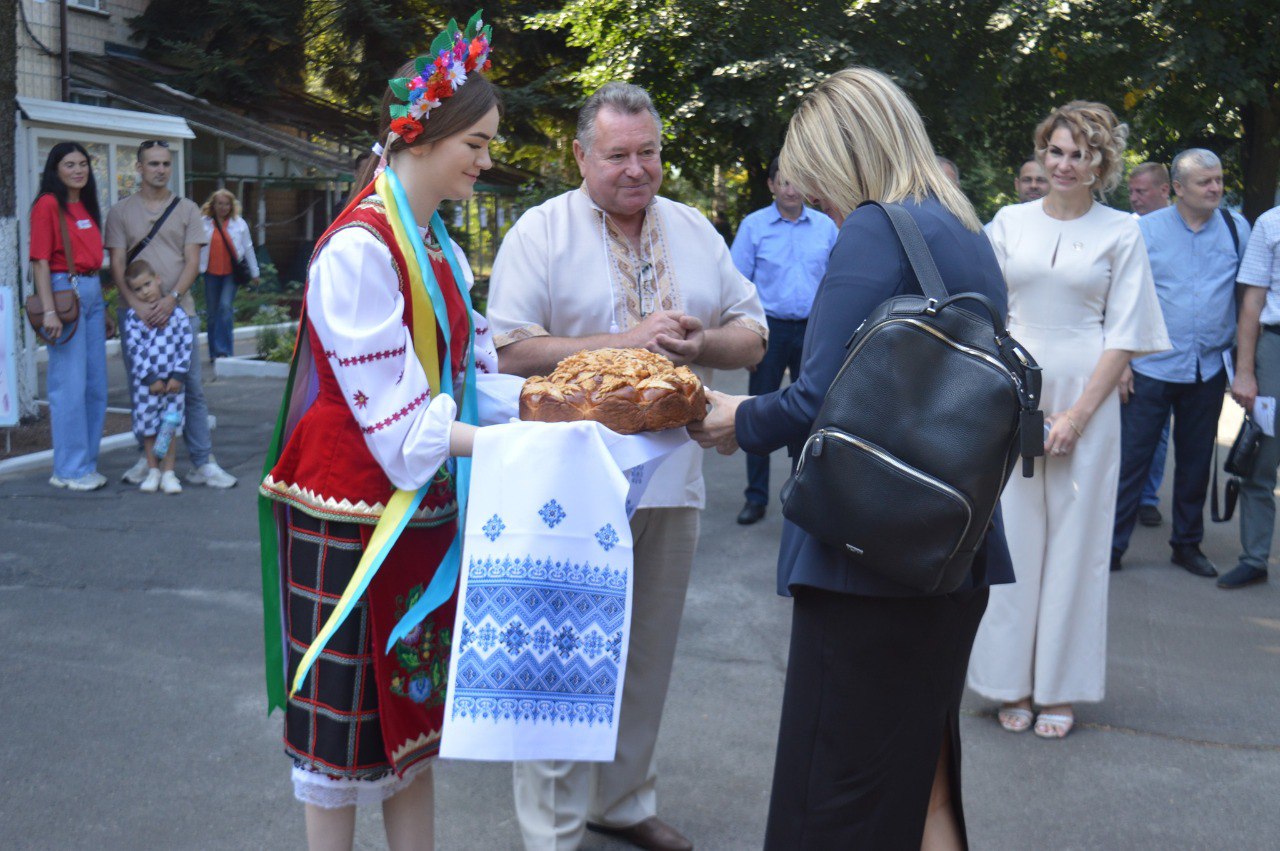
[[1195, 248], [1258, 374], [783, 250]]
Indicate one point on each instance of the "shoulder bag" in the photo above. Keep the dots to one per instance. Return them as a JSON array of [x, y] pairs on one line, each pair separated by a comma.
[[66, 303], [151, 234], [919, 432], [240, 273]]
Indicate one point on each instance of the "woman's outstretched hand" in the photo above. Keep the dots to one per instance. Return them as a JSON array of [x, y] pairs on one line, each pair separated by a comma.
[[717, 430]]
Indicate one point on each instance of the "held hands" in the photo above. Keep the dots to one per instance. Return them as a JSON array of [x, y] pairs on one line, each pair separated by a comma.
[[686, 348], [717, 430], [1066, 428], [157, 387], [670, 333], [1244, 389], [173, 386]]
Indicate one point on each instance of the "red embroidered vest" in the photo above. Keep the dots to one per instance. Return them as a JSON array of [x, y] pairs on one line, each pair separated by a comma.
[[326, 469]]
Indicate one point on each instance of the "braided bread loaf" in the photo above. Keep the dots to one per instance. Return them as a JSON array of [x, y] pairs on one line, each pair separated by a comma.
[[627, 390]]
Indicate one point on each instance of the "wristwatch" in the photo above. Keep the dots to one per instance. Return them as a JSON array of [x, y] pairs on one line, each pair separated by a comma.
[[176, 298]]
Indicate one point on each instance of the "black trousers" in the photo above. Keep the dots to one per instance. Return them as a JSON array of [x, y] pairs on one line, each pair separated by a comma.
[[1195, 408], [873, 687]]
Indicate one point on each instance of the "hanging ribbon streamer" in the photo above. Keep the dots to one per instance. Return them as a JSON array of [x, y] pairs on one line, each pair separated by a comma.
[[430, 315]]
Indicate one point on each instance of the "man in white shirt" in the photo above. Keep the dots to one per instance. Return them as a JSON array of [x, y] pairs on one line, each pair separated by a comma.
[[1258, 374], [611, 264]]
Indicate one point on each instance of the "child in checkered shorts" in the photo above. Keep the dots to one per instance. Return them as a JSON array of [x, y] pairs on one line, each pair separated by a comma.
[[160, 358]]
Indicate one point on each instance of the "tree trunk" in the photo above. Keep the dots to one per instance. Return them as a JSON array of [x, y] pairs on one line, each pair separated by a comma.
[[1260, 155]]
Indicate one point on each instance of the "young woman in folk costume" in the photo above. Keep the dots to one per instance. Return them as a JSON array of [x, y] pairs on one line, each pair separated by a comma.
[[367, 471]]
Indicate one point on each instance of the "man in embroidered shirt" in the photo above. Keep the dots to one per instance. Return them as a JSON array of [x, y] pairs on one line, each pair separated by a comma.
[[1148, 192], [1258, 374], [783, 250], [174, 253], [1194, 251], [611, 264]]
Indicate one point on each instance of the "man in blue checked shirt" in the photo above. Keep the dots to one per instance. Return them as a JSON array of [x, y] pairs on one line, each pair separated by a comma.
[[783, 250], [1258, 374], [1195, 250]]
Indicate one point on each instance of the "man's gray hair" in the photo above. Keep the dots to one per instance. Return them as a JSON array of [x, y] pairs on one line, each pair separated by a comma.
[[1193, 158], [625, 98]]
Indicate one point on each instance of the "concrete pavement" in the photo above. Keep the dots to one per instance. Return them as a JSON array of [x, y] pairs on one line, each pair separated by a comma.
[[134, 718]]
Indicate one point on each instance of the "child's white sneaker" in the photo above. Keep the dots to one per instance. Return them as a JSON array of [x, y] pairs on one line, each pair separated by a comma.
[[135, 474], [151, 483], [169, 482]]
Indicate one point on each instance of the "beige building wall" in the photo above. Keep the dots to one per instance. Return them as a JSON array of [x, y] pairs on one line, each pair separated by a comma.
[[88, 31]]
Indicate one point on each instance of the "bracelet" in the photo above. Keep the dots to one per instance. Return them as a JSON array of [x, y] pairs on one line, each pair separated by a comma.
[[47, 312], [1074, 427]]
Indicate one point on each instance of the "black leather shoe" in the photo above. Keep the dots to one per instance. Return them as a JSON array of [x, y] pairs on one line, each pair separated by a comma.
[[1188, 556], [1116, 555], [752, 512], [1242, 575], [1149, 515], [652, 833]]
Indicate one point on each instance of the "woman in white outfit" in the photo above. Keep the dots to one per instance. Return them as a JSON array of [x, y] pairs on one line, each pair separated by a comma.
[[1082, 299]]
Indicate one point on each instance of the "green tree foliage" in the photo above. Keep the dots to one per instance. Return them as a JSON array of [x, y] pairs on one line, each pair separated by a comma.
[[232, 50], [728, 74]]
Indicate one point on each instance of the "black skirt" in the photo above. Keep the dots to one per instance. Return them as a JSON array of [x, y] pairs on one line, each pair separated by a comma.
[[873, 685]]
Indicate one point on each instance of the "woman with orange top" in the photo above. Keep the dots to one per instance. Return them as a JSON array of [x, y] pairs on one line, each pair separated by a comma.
[[227, 239]]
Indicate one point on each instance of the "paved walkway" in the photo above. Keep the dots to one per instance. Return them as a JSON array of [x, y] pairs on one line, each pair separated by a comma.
[[133, 710]]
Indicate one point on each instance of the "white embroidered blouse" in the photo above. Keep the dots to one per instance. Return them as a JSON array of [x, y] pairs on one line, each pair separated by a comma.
[[357, 311]]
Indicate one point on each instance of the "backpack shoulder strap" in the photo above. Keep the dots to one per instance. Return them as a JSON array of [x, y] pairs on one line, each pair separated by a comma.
[[917, 251]]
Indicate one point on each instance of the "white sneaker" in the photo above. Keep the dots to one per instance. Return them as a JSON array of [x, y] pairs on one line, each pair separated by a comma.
[[135, 474], [87, 482], [169, 482], [151, 483], [212, 475]]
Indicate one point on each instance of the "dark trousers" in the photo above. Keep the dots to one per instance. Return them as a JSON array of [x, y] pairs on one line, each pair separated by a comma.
[[1195, 408], [786, 345]]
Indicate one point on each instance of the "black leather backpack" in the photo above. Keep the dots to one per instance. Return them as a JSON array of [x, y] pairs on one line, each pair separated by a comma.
[[919, 432]]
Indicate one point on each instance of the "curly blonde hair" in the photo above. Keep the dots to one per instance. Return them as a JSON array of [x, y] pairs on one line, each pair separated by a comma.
[[1095, 128], [207, 209]]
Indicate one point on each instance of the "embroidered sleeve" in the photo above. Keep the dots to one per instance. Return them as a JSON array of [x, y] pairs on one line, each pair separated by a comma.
[[739, 301], [354, 304], [519, 291]]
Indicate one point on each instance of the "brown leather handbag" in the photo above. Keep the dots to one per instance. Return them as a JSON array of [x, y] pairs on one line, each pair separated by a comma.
[[66, 303]]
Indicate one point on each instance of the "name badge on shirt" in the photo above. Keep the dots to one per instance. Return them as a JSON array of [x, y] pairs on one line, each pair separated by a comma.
[[84, 224]]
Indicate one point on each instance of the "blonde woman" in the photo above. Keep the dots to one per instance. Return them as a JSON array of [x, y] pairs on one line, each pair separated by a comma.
[[1082, 299], [869, 745], [227, 239]]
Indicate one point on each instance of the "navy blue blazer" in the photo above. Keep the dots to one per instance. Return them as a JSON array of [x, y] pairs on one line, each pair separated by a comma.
[[867, 266]]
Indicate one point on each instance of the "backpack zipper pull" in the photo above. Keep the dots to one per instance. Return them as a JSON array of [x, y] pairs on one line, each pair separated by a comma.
[[817, 444]]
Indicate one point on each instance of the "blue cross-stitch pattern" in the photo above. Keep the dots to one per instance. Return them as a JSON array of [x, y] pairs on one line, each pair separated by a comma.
[[540, 641], [636, 475], [493, 528], [551, 513], [607, 537]]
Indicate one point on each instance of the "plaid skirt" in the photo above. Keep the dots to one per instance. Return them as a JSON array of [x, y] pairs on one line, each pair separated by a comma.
[[357, 699]]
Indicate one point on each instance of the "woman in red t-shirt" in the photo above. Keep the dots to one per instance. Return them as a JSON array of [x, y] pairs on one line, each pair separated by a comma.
[[77, 377]]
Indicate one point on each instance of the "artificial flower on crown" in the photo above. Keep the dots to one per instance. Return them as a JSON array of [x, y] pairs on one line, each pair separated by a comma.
[[439, 73]]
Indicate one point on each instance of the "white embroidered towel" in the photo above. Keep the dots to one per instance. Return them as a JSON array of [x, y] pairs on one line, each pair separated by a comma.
[[541, 637]]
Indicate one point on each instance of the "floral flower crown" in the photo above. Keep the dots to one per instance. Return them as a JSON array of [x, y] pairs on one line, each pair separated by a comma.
[[440, 72]]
